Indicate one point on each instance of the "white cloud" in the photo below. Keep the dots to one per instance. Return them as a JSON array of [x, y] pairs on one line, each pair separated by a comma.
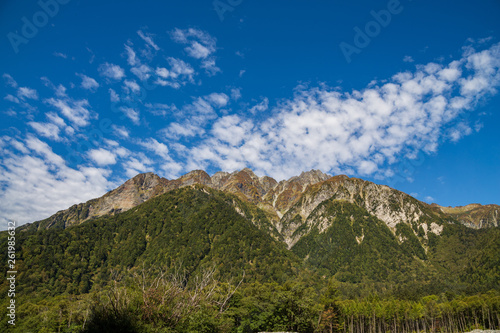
[[132, 86], [148, 38], [159, 109], [76, 111], [362, 131], [88, 83], [134, 166], [177, 130], [260, 107], [162, 72], [198, 51], [210, 67], [47, 130], [236, 93], [113, 96], [408, 59], [217, 99], [200, 45], [131, 56], [429, 199], [131, 113], [36, 183], [59, 90], [158, 148], [102, 157], [12, 99], [180, 68], [195, 115], [9, 80], [111, 71], [60, 55], [232, 130], [121, 131], [27, 93], [142, 72], [179, 74]]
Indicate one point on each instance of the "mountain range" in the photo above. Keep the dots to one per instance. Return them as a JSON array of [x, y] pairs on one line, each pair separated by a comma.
[[287, 203]]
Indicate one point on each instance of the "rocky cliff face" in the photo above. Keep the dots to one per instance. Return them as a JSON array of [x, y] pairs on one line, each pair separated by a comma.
[[474, 215], [289, 203], [387, 204], [132, 193]]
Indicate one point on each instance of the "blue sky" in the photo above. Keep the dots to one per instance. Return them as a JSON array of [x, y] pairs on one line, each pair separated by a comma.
[[403, 93]]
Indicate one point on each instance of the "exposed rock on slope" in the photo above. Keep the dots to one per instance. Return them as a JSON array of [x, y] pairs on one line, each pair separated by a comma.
[[132, 193], [387, 204], [474, 215]]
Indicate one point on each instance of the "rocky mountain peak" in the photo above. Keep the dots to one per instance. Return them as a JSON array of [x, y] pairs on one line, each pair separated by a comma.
[[312, 176], [195, 177]]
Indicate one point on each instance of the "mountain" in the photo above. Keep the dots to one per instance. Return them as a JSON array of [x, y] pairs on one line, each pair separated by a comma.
[[474, 215], [293, 244], [194, 226], [341, 227], [332, 224], [244, 184], [287, 203], [132, 193]]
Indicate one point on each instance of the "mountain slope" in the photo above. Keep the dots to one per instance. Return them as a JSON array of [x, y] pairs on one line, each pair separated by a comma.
[[474, 215], [348, 242], [132, 193], [388, 205], [193, 227]]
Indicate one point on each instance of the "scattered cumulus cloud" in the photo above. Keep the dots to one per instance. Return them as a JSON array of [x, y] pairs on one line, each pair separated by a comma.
[[111, 71], [32, 171], [113, 96], [102, 157], [76, 111], [121, 131], [148, 38], [260, 107], [200, 45], [142, 72], [27, 93], [429, 199], [131, 113], [88, 83], [9, 80], [408, 59], [48, 130], [60, 55], [364, 131], [177, 75], [131, 86]]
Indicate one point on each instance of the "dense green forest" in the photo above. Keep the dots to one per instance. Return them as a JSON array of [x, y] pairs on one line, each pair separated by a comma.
[[200, 260]]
